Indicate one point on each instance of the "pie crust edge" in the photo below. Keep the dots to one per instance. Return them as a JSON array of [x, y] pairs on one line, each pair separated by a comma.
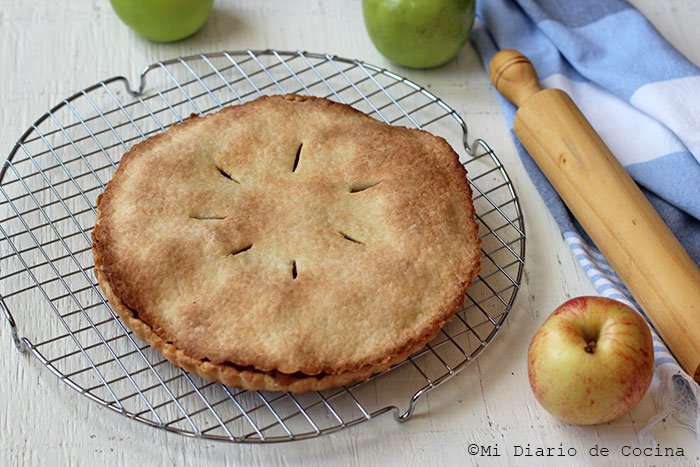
[[246, 378]]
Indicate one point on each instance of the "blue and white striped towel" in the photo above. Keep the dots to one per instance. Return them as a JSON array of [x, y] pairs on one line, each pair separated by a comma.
[[643, 98]]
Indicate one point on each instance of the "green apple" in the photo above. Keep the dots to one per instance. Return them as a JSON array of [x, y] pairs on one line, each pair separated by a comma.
[[419, 33], [591, 361], [163, 20]]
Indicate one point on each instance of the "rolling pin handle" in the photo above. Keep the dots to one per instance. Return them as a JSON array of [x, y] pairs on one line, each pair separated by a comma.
[[514, 76]]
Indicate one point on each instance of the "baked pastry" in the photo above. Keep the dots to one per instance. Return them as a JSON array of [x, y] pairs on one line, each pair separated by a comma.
[[290, 243]]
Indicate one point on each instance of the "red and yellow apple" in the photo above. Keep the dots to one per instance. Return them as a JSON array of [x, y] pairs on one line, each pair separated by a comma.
[[591, 361]]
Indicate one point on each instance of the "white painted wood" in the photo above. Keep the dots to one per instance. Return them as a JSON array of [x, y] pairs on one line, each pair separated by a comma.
[[49, 50]]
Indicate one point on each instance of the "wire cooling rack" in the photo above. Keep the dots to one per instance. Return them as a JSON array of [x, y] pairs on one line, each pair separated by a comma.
[[55, 309]]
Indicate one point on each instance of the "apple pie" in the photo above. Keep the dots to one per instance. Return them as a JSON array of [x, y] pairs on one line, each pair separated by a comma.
[[290, 243]]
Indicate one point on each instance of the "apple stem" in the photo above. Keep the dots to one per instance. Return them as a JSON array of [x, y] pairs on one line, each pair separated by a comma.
[[590, 347]]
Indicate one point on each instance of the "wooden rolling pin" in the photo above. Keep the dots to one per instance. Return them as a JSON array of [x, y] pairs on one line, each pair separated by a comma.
[[607, 202]]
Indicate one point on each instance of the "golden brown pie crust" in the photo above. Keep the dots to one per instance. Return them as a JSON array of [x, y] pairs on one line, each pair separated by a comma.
[[290, 243]]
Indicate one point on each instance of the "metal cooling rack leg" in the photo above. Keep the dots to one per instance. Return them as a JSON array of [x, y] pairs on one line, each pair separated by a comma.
[[19, 343], [402, 417], [127, 84]]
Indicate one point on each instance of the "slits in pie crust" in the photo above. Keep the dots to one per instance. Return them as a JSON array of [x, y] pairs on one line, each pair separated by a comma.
[[290, 243]]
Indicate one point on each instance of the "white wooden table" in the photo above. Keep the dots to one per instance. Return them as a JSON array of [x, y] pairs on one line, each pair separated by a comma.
[[48, 50]]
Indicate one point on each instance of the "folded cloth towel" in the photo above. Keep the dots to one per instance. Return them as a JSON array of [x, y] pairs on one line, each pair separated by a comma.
[[642, 96]]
